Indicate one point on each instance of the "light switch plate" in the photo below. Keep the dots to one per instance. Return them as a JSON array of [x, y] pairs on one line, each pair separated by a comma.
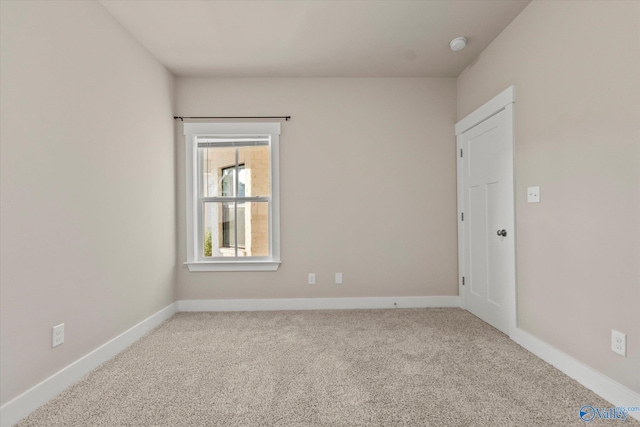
[[533, 194]]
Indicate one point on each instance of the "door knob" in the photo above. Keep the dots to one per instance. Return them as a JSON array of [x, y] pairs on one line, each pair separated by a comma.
[[502, 233]]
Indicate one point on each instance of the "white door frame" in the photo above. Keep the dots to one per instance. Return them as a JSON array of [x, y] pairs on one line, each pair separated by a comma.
[[503, 101]]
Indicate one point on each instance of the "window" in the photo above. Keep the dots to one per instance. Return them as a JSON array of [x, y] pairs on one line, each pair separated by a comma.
[[232, 196]]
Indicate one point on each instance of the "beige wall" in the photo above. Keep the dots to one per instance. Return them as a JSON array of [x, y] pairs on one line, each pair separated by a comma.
[[87, 201], [367, 185], [576, 67]]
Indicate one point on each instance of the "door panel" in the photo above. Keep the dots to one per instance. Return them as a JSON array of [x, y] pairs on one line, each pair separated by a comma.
[[477, 242], [495, 284]]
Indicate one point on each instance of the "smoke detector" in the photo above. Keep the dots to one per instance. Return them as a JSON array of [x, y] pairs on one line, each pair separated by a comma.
[[458, 43]]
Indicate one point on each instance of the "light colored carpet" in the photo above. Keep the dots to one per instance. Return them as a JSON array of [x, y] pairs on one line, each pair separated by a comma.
[[401, 367]]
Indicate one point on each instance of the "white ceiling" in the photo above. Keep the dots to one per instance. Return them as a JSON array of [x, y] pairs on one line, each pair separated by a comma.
[[321, 38]]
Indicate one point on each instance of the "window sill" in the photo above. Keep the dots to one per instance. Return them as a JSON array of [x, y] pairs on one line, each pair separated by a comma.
[[233, 266]]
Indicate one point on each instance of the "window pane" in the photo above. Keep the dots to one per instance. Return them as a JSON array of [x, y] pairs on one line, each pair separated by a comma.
[[228, 226], [241, 226], [242, 181], [218, 166], [254, 229], [227, 181], [219, 229], [255, 176]]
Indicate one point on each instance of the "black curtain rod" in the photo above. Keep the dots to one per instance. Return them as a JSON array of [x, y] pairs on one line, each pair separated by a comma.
[[287, 118]]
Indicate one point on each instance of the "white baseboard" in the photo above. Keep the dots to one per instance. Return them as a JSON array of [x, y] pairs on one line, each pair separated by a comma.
[[316, 303], [21, 406], [600, 384]]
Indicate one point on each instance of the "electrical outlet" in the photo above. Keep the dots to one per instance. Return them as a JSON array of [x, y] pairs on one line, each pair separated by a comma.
[[312, 278], [57, 337], [533, 194], [338, 278], [619, 343]]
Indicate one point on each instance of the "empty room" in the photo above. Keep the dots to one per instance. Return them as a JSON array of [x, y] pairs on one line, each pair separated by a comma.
[[319, 213]]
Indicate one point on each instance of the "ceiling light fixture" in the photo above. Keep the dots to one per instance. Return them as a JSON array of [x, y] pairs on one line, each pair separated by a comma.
[[458, 43]]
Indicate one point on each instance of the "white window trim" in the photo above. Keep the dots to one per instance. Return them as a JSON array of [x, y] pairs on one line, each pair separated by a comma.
[[194, 130]]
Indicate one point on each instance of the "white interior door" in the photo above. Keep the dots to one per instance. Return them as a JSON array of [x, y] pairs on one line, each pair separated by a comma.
[[487, 227]]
